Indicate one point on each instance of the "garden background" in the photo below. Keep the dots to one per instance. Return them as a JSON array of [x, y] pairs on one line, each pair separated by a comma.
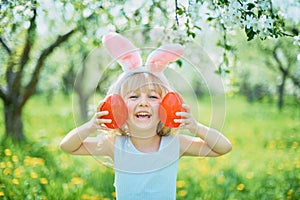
[[52, 73]]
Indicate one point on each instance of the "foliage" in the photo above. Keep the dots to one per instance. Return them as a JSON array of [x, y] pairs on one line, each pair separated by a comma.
[[257, 18], [263, 164], [32, 31], [268, 72], [94, 18], [45, 40]]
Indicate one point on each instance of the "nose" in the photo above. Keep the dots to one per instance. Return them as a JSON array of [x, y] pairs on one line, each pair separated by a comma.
[[143, 102]]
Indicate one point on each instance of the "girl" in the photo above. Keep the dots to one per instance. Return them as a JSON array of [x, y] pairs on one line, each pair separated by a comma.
[[144, 151]]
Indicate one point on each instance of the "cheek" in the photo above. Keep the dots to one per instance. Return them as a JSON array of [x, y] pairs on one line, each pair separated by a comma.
[[130, 105], [156, 107]]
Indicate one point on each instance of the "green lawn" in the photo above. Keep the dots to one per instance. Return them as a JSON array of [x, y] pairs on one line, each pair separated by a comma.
[[264, 162]]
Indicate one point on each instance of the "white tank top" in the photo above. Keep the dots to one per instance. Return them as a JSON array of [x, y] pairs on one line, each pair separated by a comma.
[[142, 176]]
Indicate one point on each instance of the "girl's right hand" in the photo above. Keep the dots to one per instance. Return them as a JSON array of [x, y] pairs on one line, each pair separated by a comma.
[[97, 122]]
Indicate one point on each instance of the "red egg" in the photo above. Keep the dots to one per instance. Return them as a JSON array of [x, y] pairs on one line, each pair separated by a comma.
[[170, 104], [117, 111]]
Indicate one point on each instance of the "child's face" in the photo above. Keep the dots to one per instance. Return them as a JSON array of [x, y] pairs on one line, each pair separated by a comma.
[[143, 105]]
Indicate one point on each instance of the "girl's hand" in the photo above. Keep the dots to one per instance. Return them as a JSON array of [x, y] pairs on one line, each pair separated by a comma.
[[96, 122], [187, 121]]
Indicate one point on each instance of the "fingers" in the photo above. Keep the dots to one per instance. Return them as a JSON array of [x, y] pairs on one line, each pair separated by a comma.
[[182, 121], [183, 114], [186, 119], [186, 113], [101, 113], [186, 107], [102, 121]]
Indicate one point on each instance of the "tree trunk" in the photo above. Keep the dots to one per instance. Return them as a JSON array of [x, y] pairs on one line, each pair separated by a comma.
[[83, 99], [281, 92], [13, 121]]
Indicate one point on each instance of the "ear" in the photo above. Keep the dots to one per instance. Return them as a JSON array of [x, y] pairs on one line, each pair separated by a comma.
[[122, 50], [161, 57]]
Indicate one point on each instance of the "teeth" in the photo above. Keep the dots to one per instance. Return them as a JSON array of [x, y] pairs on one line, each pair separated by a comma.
[[143, 114]]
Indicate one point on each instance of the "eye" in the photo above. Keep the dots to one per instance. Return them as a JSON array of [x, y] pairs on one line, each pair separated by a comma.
[[153, 97], [133, 97]]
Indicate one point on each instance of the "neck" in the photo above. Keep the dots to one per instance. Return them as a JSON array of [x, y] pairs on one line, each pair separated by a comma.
[[146, 144], [141, 133]]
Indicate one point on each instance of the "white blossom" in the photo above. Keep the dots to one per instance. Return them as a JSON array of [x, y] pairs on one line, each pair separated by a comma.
[[263, 34], [269, 22], [297, 40], [264, 5], [249, 21], [28, 13], [256, 26]]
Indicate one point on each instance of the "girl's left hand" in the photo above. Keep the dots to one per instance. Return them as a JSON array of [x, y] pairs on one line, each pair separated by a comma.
[[187, 121]]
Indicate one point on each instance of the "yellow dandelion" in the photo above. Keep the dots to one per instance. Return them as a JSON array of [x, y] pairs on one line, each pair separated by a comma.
[[15, 158], [105, 198], [113, 194], [2, 165], [280, 166], [43, 181], [295, 145], [182, 193], [1, 194], [15, 181], [290, 192], [240, 187], [250, 175], [27, 160], [9, 164], [17, 172], [221, 179], [44, 198], [6, 171], [180, 183], [77, 180], [272, 144], [85, 196], [39, 161], [7, 152], [33, 175], [95, 198], [297, 162]]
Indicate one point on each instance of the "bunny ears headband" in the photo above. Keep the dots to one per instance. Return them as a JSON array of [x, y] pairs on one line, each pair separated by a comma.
[[128, 56]]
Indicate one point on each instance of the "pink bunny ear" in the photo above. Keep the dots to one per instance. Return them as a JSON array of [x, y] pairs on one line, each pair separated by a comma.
[[161, 57], [123, 50]]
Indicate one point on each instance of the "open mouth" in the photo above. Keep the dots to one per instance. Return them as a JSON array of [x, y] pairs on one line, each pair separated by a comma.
[[143, 115]]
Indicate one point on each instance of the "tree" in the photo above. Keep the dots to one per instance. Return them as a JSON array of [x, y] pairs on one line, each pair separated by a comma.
[[15, 93], [26, 48], [24, 53], [284, 62], [258, 18]]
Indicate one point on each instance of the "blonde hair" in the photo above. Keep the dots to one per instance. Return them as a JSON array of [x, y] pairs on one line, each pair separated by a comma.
[[138, 80]]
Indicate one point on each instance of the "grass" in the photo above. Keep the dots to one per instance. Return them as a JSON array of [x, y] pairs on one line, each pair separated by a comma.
[[264, 163]]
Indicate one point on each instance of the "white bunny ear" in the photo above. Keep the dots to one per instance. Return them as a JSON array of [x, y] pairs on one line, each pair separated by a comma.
[[123, 50], [161, 57]]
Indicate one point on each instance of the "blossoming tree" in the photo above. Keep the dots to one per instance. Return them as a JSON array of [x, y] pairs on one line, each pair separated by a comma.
[[31, 31]]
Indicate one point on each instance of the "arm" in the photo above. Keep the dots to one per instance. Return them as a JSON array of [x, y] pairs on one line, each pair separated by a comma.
[[78, 142], [209, 142]]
